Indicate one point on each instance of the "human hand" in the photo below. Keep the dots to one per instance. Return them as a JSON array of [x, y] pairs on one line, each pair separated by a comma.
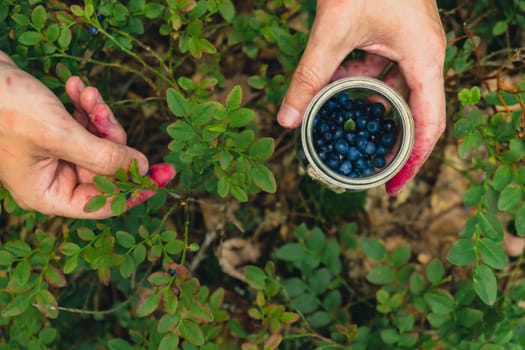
[[407, 32], [48, 158]]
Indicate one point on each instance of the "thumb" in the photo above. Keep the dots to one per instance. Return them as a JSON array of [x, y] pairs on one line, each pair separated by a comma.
[[315, 69], [96, 154]]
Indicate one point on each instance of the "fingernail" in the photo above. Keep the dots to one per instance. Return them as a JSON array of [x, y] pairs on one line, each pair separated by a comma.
[[289, 117]]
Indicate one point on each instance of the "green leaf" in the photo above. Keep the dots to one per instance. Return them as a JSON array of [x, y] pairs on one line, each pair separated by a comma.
[[70, 249], [85, 234], [104, 184], [509, 198], [293, 252], [373, 248], [241, 117], [262, 149], [119, 344], [227, 10], [21, 19], [225, 159], [234, 98], [435, 271], [238, 193], [485, 284], [516, 150], [22, 272], [389, 336], [29, 38], [6, 258], [499, 28], [169, 341], [473, 195], [381, 275], [263, 178], [519, 221], [95, 203], [168, 322], [305, 303], [502, 177], [192, 332], [16, 306], [319, 319], [177, 103], [46, 303], [71, 264], [492, 253], [255, 277], [119, 204], [65, 37], [147, 305], [39, 17], [417, 283], [159, 278], [400, 255], [439, 301], [462, 253], [125, 239], [18, 248], [55, 277], [181, 131], [223, 186], [468, 317], [490, 226], [152, 10], [469, 96]]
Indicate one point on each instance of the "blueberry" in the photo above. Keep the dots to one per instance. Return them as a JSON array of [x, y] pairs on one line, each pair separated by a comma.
[[368, 171], [363, 133], [172, 272], [341, 146], [361, 143], [340, 119], [328, 136], [127, 195], [338, 134], [375, 138], [349, 115], [319, 142], [373, 125], [377, 110], [348, 105], [360, 164], [387, 139], [324, 127], [388, 125], [358, 102], [353, 153], [322, 155], [381, 150], [342, 98], [345, 168], [350, 137], [93, 30], [333, 162], [331, 105], [379, 162], [370, 148], [354, 174], [361, 121]]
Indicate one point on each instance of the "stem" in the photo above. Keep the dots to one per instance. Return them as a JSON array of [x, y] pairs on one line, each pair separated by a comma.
[[186, 231], [385, 70]]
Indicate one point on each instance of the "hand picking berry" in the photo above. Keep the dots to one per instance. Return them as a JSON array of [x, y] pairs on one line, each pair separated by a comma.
[[352, 137]]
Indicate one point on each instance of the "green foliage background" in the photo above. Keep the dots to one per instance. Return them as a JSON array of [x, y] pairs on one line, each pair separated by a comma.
[[197, 84]]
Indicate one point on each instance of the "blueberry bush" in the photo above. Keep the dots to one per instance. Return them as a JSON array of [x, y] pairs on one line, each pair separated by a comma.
[[241, 250]]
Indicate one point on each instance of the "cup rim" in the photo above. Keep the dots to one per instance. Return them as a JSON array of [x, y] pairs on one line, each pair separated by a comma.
[[330, 177]]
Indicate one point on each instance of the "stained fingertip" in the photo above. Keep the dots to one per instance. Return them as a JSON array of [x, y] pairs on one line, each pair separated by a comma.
[[162, 173]]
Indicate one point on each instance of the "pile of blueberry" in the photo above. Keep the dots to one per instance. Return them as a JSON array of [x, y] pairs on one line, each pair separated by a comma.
[[352, 137]]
